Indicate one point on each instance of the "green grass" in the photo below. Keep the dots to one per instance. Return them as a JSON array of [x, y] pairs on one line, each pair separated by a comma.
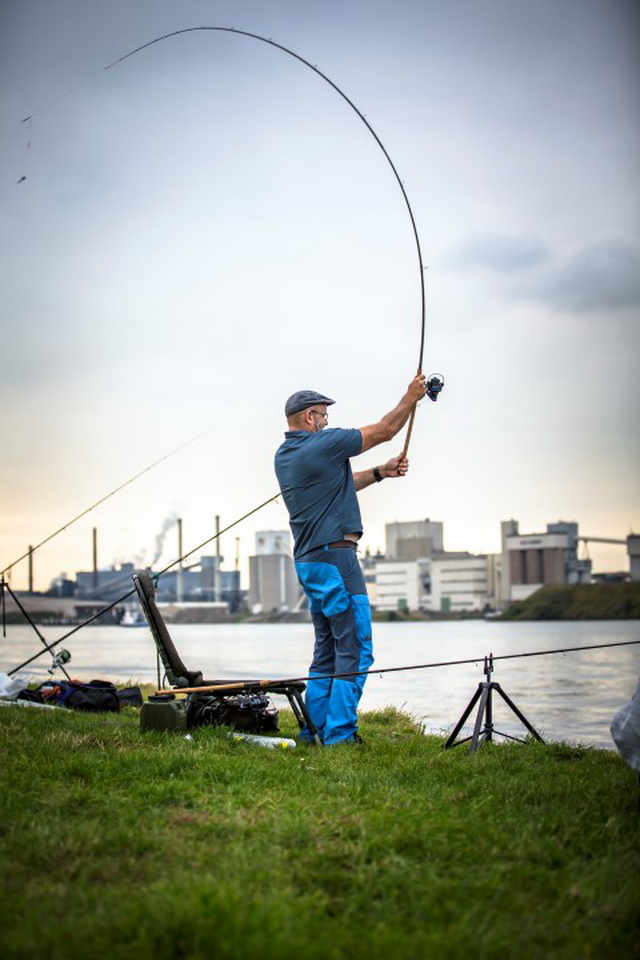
[[119, 844]]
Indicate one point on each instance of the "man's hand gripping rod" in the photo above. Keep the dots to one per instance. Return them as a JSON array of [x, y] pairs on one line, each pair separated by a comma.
[[435, 385]]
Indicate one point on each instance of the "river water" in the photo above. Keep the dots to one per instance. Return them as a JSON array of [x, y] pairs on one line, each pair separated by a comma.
[[570, 696]]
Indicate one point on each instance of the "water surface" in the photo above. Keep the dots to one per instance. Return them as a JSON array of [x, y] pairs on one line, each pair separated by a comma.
[[570, 696]]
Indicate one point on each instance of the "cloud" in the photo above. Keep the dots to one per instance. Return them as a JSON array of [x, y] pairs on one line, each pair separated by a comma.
[[502, 253], [602, 275]]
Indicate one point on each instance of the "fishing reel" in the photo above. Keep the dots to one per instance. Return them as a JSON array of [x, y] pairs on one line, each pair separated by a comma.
[[435, 385], [62, 657]]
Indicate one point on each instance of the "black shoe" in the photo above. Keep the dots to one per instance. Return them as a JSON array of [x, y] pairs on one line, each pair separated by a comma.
[[355, 738]]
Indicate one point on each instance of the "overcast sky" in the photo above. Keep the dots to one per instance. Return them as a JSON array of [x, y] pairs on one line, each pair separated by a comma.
[[207, 227]]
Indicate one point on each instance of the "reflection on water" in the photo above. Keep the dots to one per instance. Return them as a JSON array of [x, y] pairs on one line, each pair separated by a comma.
[[569, 696]]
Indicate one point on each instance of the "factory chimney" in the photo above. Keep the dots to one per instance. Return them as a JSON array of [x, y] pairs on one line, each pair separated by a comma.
[[95, 558], [217, 592], [179, 587]]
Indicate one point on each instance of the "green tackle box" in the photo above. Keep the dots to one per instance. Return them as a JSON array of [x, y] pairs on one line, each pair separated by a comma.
[[162, 713]]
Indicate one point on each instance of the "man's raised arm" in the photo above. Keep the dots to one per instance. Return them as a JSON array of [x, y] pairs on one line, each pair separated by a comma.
[[394, 421]]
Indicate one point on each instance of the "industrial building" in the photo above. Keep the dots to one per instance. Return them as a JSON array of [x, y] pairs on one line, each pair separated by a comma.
[[417, 574], [464, 582], [530, 561], [273, 584], [397, 585], [413, 539]]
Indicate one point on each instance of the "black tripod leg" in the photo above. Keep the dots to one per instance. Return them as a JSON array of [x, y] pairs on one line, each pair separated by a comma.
[[521, 717], [295, 706], [302, 715], [486, 690], [489, 718], [461, 722]]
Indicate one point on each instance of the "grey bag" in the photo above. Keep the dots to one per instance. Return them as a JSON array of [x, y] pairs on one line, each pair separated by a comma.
[[625, 730]]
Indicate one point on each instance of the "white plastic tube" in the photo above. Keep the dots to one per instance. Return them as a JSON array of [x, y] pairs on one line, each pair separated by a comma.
[[271, 743]]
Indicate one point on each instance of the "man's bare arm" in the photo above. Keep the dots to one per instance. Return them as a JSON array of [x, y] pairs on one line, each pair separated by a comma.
[[394, 421], [396, 467]]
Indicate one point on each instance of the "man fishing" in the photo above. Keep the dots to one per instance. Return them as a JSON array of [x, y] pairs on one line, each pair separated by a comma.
[[319, 490]]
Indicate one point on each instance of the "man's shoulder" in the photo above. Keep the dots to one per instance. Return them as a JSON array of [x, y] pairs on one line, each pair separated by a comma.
[[349, 438], [332, 439], [336, 433]]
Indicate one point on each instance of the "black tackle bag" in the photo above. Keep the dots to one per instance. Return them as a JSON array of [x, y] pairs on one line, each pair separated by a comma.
[[97, 696]]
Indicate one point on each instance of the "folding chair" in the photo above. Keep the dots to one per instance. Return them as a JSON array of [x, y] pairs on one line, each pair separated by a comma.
[[180, 677]]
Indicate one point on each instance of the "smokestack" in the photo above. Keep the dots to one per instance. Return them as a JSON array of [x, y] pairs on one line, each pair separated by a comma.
[[216, 582], [95, 558], [30, 569], [179, 589], [236, 583]]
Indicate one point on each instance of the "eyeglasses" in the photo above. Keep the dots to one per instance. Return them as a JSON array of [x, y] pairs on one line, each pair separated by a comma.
[[319, 413]]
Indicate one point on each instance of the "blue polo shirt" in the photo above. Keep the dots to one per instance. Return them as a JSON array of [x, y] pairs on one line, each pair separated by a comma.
[[316, 482]]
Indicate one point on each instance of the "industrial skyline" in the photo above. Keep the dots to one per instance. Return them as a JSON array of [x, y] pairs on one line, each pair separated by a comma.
[[215, 556]]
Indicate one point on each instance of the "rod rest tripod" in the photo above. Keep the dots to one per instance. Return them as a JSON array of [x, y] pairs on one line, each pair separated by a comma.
[[484, 733]]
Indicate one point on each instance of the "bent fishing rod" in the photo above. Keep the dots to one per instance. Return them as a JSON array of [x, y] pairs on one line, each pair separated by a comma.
[[341, 93], [435, 381]]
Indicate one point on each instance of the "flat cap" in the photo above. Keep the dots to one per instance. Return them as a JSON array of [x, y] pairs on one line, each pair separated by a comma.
[[303, 399]]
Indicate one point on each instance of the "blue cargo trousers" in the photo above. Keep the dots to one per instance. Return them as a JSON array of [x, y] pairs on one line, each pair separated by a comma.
[[339, 606]]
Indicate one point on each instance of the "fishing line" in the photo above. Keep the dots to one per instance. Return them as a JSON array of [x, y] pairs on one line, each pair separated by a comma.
[[415, 666], [126, 596], [457, 663], [106, 497]]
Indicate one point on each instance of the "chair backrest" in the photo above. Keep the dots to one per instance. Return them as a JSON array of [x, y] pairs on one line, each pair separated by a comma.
[[177, 673]]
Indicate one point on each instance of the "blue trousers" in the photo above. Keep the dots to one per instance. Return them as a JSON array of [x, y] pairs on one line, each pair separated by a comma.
[[339, 606]]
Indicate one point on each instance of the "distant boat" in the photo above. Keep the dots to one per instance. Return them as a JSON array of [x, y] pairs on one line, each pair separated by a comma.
[[132, 617], [492, 614]]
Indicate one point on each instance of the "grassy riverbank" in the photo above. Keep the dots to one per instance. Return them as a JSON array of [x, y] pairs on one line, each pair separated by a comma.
[[584, 601], [120, 845]]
